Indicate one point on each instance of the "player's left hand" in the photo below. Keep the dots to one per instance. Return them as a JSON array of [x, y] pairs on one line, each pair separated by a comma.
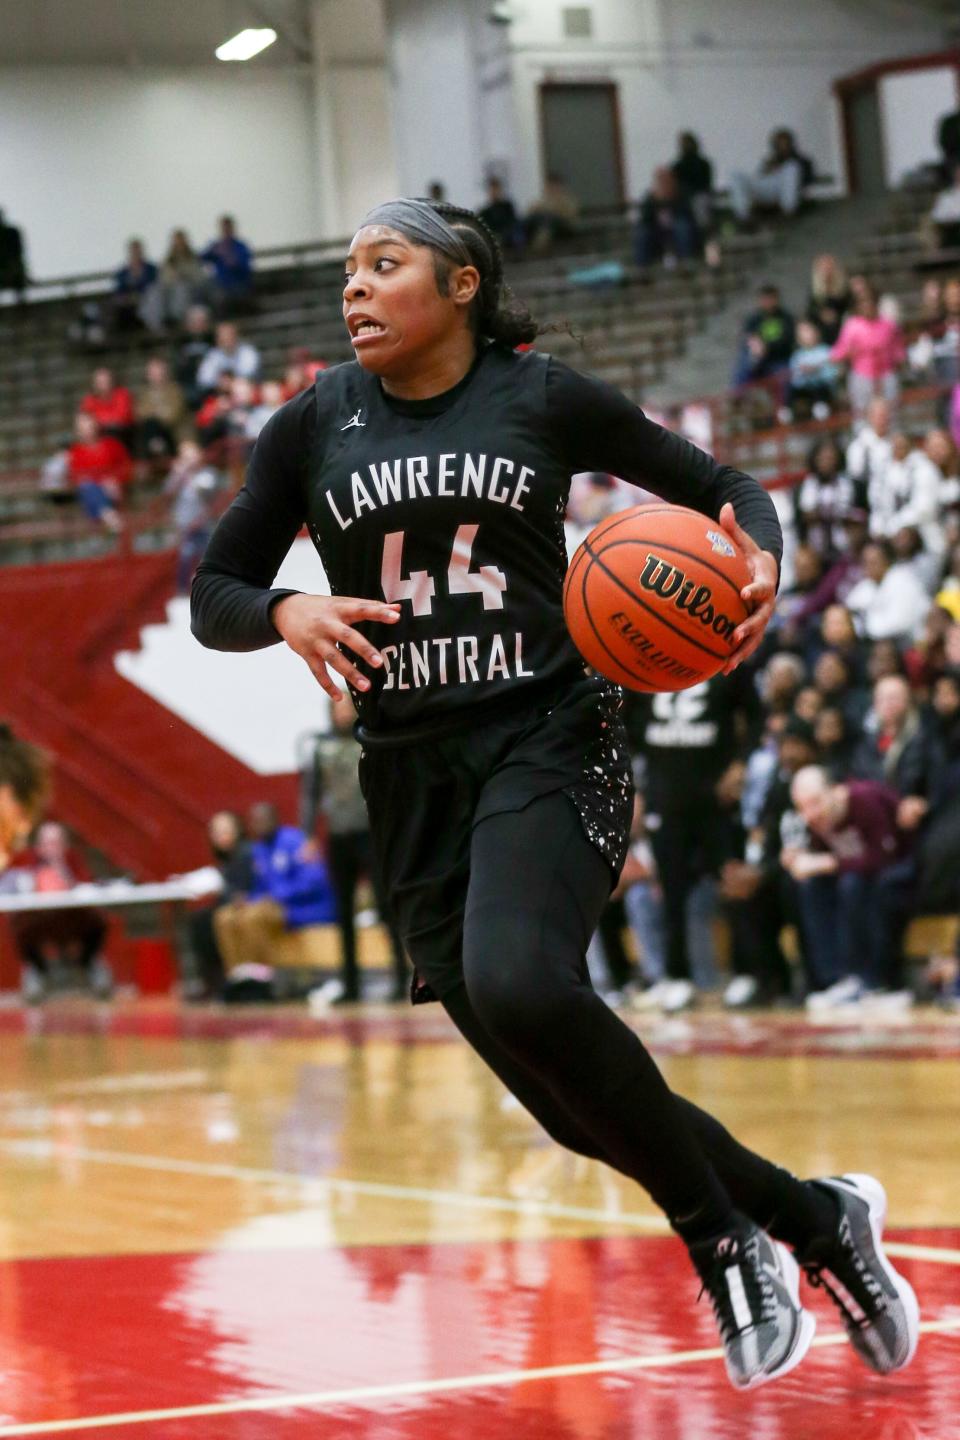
[[760, 594]]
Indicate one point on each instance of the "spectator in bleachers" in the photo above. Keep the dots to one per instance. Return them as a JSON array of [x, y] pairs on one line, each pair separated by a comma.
[[813, 375], [944, 219], [889, 603], [301, 372], [231, 855], [823, 500], [907, 497], [768, 338], [694, 174], [194, 345], [777, 183], [838, 634], [229, 353], [75, 935], [834, 741], [895, 749], [231, 264], [666, 228], [162, 415], [829, 296], [873, 348], [839, 684], [500, 215], [130, 306], [181, 283], [841, 574], [854, 880], [267, 403], [213, 418], [100, 469], [13, 265], [192, 487], [290, 889], [871, 449], [436, 190], [948, 139], [111, 405], [553, 216]]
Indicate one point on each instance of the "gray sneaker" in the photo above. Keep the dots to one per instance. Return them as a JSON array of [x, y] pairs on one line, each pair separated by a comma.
[[878, 1306], [754, 1286]]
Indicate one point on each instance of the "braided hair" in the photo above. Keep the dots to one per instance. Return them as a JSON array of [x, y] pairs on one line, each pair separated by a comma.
[[496, 313]]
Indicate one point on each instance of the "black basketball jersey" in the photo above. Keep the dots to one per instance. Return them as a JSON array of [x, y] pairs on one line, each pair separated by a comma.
[[452, 506]]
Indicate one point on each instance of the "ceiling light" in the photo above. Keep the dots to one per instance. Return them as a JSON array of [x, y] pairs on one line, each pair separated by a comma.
[[245, 45]]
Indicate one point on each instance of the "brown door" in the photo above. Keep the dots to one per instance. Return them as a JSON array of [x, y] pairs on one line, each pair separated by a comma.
[[580, 128]]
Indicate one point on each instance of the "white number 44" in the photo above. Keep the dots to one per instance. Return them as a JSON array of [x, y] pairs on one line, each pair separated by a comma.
[[419, 587]]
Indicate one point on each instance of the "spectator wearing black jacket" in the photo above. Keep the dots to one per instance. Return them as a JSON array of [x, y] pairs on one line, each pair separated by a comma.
[[500, 215], [769, 333], [666, 228], [197, 340], [693, 172]]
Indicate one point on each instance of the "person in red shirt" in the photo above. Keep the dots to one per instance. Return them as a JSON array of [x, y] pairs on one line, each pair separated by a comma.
[[854, 883], [302, 370], [99, 468], [111, 405], [77, 933]]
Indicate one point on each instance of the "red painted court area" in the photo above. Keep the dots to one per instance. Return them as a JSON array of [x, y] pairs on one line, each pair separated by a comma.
[[401, 1342]]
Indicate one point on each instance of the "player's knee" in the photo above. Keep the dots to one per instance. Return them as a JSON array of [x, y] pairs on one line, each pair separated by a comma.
[[509, 1002]]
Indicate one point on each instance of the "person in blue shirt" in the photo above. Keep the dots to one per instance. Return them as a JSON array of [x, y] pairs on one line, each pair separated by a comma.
[[290, 889], [231, 261]]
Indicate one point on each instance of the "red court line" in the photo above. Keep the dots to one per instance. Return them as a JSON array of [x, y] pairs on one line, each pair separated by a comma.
[[101, 1336]]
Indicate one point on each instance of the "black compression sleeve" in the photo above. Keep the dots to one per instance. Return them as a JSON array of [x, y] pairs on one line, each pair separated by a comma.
[[231, 599], [600, 429]]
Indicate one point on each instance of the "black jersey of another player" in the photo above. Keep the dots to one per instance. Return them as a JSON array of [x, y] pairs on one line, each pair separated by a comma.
[[452, 506], [690, 736]]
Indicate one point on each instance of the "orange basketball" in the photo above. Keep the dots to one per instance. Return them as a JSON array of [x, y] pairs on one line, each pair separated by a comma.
[[652, 597]]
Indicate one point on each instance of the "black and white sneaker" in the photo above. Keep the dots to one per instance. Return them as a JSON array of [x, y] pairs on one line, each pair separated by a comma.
[[754, 1286], [878, 1306]]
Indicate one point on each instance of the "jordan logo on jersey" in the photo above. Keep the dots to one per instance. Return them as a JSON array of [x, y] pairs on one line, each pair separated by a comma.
[[355, 420]]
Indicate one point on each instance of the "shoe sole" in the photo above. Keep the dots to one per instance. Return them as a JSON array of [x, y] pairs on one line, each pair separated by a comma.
[[790, 1271], [868, 1188]]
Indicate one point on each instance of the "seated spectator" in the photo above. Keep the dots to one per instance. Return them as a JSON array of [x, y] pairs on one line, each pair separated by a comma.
[[301, 372], [231, 263], [500, 215], [291, 889], [884, 658], [553, 216], [854, 883], [212, 419], [693, 172], [808, 704], [768, 339], [192, 486], [823, 500], [889, 603], [834, 742], [111, 405], [437, 191], [162, 414], [75, 935], [871, 450], [948, 139], [873, 348], [944, 218], [829, 297], [181, 283], [906, 493], [756, 902], [268, 403], [232, 857], [840, 687], [639, 888], [838, 635], [777, 183], [130, 305], [895, 748], [813, 375], [780, 680], [841, 575], [935, 354], [13, 266], [666, 228], [229, 353], [100, 469], [926, 660], [24, 786], [196, 343]]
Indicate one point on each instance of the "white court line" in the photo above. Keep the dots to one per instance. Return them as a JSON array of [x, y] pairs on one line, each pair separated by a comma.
[[939, 1254], [319, 1185], [359, 1395]]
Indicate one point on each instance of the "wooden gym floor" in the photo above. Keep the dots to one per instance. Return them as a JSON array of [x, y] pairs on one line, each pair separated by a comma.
[[254, 1224]]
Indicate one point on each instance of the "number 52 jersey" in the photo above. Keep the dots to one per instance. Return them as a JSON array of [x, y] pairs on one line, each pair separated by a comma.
[[453, 507]]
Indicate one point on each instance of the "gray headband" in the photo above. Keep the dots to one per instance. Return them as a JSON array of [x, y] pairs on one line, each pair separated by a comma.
[[418, 220]]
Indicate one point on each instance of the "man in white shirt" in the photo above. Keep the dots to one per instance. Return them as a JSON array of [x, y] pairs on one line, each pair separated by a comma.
[[889, 603], [229, 353], [871, 448]]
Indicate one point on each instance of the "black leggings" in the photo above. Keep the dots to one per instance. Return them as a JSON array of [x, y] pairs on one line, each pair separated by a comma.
[[526, 1005]]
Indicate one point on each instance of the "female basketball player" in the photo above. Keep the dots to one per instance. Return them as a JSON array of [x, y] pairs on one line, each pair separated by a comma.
[[432, 474]]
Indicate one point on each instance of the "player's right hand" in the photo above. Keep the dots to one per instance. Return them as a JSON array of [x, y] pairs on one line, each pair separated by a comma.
[[319, 627]]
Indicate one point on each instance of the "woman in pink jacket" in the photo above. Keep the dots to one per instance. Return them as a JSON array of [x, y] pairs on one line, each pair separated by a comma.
[[873, 347]]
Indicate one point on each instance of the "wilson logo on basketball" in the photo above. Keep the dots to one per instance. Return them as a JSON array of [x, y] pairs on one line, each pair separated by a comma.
[[658, 577]]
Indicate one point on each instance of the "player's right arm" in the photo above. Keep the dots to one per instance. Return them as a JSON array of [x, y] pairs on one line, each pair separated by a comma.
[[233, 603]]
